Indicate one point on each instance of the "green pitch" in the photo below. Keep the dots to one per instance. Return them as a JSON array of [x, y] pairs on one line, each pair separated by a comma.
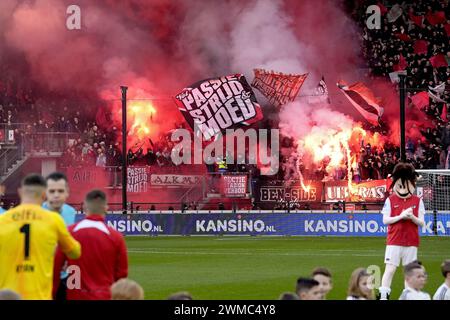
[[262, 267]]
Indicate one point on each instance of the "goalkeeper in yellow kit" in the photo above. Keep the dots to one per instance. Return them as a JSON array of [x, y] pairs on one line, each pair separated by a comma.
[[28, 239]]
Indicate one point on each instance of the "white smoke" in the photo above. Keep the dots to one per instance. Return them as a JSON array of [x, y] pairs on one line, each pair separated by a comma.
[[263, 38]]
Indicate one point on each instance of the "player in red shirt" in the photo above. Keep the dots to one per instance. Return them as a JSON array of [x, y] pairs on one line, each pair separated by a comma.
[[403, 212], [104, 259]]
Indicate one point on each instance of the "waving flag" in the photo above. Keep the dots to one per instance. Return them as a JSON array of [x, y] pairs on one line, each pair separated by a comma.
[[322, 90], [447, 29], [435, 93], [421, 46], [103, 117], [436, 18], [383, 9], [418, 20], [438, 61], [213, 105], [420, 99], [401, 65], [363, 99], [279, 88], [395, 13]]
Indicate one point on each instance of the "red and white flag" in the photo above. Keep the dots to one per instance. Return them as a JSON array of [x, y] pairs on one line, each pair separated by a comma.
[[213, 105], [278, 87], [363, 99], [435, 93]]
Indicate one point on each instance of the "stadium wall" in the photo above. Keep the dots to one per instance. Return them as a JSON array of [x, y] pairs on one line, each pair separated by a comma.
[[276, 224]]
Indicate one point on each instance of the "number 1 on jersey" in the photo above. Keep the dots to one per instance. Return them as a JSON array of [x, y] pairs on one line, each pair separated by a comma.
[[26, 230]]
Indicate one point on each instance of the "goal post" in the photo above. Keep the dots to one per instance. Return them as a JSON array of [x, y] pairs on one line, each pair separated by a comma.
[[433, 186]]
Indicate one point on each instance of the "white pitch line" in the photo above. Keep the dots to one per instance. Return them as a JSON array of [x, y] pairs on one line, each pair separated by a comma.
[[262, 254], [266, 237], [241, 253], [277, 250]]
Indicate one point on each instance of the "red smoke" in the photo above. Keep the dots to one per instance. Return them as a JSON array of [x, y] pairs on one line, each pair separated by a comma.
[[415, 120], [158, 47]]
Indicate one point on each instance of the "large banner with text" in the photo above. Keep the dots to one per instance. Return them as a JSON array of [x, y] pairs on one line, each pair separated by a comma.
[[143, 185], [273, 192], [234, 185], [268, 193], [213, 105], [277, 224], [368, 191]]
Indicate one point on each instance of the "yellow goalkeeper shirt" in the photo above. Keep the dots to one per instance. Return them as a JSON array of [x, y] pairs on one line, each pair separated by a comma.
[[28, 239]]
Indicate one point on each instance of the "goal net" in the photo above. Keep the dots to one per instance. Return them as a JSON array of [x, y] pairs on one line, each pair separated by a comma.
[[433, 186]]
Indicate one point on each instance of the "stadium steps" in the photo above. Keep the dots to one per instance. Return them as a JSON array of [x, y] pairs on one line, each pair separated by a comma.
[[13, 168], [212, 201], [11, 159]]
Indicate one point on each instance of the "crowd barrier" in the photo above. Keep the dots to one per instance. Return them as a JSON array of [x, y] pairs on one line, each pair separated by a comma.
[[276, 224]]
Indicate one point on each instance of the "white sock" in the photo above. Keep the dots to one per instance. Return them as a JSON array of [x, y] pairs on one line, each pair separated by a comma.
[[384, 292]]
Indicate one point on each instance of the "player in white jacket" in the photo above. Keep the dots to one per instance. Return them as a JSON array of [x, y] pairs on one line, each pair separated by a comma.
[[443, 292]]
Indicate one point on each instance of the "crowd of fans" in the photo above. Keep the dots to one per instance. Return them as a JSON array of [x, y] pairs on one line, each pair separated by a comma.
[[413, 37], [57, 123]]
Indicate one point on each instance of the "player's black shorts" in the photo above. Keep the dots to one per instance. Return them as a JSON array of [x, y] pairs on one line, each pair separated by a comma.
[[61, 293]]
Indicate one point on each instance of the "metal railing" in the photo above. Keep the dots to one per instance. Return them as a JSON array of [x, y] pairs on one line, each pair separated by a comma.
[[134, 207], [7, 134], [48, 142], [177, 207], [194, 194], [113, 176], [16, 148], [9, 157]]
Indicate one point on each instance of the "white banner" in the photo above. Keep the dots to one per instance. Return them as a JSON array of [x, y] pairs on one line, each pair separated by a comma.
[[174, 180], [137, 179], [10, 135]]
